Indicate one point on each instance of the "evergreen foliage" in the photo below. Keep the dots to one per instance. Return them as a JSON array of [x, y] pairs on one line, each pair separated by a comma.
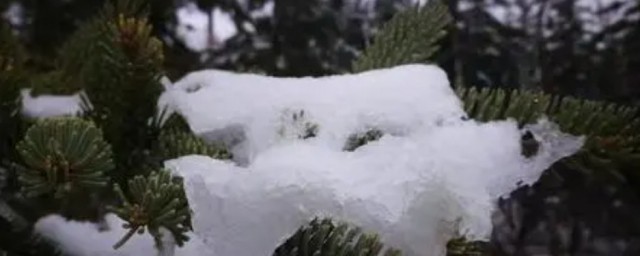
[[120, 76], [175, 143], [358, 140], [176, 140], [154, 202], [409, 37], [612, 146], [123, 95], [326, 238], [61, 155], [463, 247]]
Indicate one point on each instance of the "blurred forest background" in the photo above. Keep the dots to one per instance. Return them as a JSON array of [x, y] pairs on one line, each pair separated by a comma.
[[588, 48]]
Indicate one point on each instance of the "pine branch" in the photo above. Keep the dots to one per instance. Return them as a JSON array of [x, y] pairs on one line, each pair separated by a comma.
[[463, 247], [175, 143], [61, 155], [118, 62], [358, 140], [326, 238], [612, 147], [409, 37], [151, 203]]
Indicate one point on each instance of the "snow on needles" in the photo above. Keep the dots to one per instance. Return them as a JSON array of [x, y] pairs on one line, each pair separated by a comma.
[[431, 176], [399, 100], [44, 106], [87, 238]]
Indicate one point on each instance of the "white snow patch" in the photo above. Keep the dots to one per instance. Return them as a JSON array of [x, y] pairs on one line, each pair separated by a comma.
[[14, 14], [429, 178], [85, 239], [44, 106], [193, 27], [265, 11], [432, 176], [396, 100]]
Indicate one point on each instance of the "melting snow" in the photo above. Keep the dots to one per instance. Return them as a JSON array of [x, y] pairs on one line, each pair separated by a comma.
[[85, 239], [44, 106], [431, 176]]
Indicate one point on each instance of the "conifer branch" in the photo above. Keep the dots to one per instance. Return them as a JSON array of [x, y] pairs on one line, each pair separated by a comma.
[[175, 143], [151, 203], [612, 145], [62, 154], [409, 37], [326, 238]]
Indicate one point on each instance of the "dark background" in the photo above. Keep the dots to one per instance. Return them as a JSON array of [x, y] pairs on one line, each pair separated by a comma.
[[589, 48]]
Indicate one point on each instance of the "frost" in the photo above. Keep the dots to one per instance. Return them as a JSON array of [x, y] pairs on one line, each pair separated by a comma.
[[44, 106], [431, 176], [86, 239]]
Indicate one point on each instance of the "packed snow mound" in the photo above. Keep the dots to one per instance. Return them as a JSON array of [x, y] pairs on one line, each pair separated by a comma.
[[431, 176], [86, 239], [44, 106], [254, 109]]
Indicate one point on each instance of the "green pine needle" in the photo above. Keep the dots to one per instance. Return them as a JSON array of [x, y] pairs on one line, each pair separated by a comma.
[[360, 139], [612, 145], [60, 154], [326, 238], [175, 143], [464, 247], [153, 202], [409, 37]]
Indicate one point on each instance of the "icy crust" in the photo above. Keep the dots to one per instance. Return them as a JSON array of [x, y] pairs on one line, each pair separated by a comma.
[[432, 176], [416, 191], [253, 108], [44, 106], [86, 239]]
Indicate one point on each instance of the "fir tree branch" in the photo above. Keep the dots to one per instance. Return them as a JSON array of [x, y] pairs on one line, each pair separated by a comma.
[[63, 154], [153, 202], [326, 238], [409, 37], [612, 146]]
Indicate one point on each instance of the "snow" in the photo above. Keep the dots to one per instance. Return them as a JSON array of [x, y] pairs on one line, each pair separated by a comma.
[[84, 239], [14, 14], [44, 106], [224, 100], [432, 176], [193, 27], [265, 11]]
